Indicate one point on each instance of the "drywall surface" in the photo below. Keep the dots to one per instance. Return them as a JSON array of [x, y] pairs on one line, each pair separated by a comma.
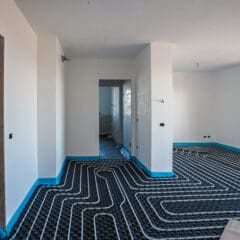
[[51, 106], [60, 107], [82, 100], [227, 86], [127, 111], [194, 106], [143, 105], [154, 83], [161, 107], [116, 114], [20, 104], [206, 104], [46, 106]]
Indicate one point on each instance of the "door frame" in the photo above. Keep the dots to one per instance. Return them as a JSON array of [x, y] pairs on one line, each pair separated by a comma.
[[119, 83], [2, 165]]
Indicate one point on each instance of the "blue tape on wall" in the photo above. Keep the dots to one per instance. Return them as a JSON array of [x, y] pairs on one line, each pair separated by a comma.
[[19, 210], [182, 144], [40, 181], [235, 149], [3, 234], [150, 173]]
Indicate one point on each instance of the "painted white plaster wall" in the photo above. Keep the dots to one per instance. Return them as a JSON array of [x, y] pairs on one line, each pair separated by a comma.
[[127, 118], [46, 106], [60, 107], [82, 110], [115, 114], [51, 106], [20, 104], [154, 82], [143, 105], [227, 87], [194, 106], [161, 88]]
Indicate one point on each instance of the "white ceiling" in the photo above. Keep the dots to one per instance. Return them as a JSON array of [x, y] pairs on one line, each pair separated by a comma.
[[204, 31]]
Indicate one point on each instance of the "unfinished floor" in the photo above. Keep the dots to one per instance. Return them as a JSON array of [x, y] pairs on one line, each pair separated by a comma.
[[115, 199], [109, 149]]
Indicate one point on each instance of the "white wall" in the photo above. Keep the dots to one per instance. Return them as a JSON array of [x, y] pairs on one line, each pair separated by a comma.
[[194, 106], [116, 114], [20, 104], [82, 110], [227, 85], [161, 112], [60, 107], [206, 104], [51, 106], [127, 110], [143, 104], [154, 82], [46, 106]]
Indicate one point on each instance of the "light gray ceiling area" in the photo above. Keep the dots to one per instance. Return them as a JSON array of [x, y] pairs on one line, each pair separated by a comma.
[[204, 31]]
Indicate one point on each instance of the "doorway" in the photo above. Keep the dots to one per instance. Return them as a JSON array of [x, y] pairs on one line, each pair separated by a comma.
[[114, 119], [2, 178]]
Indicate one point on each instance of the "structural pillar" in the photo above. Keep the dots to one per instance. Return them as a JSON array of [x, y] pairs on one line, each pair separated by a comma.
[[161, 109]]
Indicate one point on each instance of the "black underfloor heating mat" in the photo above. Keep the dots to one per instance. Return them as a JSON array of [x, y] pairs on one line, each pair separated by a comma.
[[114, 199]]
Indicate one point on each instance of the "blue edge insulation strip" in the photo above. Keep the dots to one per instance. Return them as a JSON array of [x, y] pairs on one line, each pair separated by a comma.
[[55, 181]]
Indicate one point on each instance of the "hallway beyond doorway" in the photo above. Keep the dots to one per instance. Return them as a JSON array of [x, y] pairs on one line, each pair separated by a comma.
[[109, 149], [115, 119]]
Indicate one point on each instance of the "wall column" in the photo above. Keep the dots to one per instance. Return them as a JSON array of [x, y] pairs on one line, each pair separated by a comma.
[[50, 106], [161, 109]]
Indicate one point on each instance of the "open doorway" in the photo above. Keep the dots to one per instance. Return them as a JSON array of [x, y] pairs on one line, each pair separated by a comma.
[[2, 179], [115, 119]]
